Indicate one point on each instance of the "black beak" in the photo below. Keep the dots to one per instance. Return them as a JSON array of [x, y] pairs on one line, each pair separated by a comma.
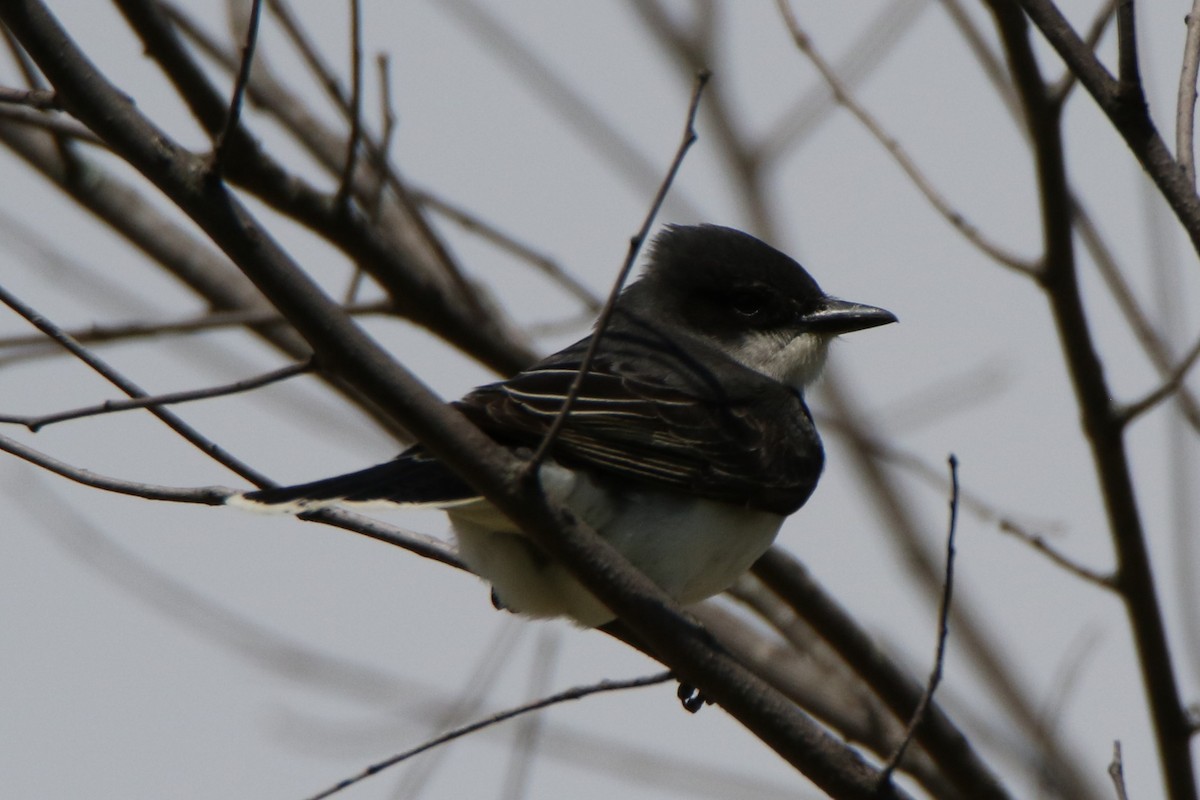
[[840, 316]]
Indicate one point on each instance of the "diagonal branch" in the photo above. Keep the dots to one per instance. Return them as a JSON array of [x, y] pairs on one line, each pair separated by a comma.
[[635, 245]]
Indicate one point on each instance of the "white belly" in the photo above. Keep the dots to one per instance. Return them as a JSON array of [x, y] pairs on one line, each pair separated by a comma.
[[690, 547]]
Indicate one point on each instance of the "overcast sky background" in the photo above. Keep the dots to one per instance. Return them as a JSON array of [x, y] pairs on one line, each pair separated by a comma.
[[154, 650]]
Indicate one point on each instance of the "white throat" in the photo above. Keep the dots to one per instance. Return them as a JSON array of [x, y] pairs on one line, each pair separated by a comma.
[[796, 362]]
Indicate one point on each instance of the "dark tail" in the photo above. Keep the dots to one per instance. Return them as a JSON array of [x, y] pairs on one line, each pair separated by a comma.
[[411, 479]]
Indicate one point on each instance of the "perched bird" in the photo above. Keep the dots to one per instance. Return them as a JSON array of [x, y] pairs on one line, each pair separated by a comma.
[[687, 447]]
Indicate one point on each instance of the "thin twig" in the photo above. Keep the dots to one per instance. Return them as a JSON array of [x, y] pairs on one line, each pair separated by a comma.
[[939, 659], [35, 424], [204, 495], [127, 386], [344, 187], [1174, 381], [233, 116], [217, 319], [1148, 337], [635, 245], [1104, 16], [575, 111], [380, 158], [490, 233], [1116, 771], [1039, 543], [996, 252], [531, 729], [576, 693], [41, 99], [1185, 114]]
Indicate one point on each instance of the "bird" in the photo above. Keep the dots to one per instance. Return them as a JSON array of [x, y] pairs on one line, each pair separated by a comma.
[[687, 446]]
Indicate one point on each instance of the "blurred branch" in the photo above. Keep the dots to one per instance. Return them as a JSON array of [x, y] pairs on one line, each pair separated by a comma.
[[576, 693], [941, 205], [1174, 382], [36, 423], [1039, 543], [940, 738], [401, 254], [617, 150], [1148, 337], [485, 230], [1185, 115], [38, 99], [973, 634], [809, 671], [355, 107], [167, 417], [860, 59], [213, 320], [233, 115]]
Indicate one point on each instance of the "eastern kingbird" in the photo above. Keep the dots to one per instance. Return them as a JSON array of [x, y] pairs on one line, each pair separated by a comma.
[[686, 448]]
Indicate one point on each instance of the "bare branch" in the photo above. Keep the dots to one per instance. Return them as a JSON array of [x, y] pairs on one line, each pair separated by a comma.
[[202, 443], [1150, 340], [205, 495], [1039, 543], [35, 424], [346, 184], [40, 99], [485, 230], [592, 127], [1185, 114], [939, 737], [939, 659], [996, 252], [1172, 385], [233, 115], [576, 693], [55, 124], [120, 331], [1125, 110], [635, 246], [1104, 15]]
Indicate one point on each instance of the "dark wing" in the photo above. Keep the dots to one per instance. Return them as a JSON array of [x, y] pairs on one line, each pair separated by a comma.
[[678, 415]]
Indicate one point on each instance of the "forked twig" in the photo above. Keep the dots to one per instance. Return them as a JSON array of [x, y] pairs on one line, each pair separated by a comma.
[[201, 442], [635, 245]]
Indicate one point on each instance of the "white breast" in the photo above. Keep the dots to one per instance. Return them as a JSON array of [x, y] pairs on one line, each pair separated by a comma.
[[691, 547]]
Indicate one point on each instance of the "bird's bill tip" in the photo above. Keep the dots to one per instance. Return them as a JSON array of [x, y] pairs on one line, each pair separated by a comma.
[[842, 316]]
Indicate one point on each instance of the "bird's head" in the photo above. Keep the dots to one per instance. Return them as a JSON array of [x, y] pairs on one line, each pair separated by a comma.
[[748, 299]]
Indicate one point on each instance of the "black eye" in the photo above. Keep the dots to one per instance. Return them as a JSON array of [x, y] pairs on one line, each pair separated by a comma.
[[749, 303]]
